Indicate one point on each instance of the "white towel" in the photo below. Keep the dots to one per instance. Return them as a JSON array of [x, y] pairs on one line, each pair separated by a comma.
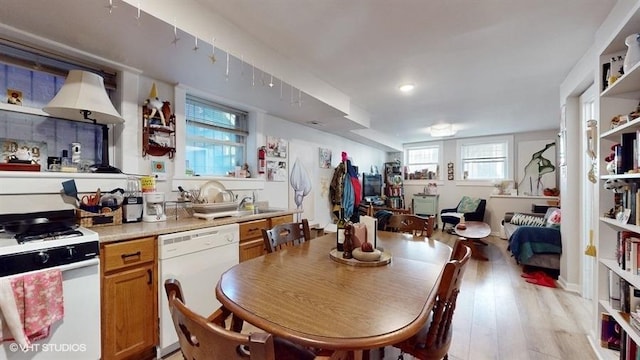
[[10, 324]]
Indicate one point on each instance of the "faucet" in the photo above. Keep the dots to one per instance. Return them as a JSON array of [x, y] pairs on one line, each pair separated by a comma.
[[243, 202]]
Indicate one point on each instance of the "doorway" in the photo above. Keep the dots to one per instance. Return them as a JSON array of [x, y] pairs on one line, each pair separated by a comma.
[[589, 189]]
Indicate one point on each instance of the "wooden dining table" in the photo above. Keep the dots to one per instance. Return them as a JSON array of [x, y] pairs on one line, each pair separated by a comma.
[[302, 294]]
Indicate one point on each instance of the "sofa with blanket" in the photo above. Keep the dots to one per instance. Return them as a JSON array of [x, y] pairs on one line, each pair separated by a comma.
[[534, 239]]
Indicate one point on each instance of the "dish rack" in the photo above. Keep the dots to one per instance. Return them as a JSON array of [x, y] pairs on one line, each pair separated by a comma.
[[209, 208]]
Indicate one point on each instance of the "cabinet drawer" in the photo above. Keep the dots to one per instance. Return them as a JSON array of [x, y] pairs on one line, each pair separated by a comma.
[[277, 220], [127, 253], [252, 229]]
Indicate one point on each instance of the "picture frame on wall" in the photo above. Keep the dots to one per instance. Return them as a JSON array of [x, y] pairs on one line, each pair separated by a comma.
[[324, 158], [14, 97], [276, 170], [276, 147]]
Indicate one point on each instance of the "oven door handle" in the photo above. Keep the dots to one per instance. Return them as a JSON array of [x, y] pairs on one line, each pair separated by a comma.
[[73, 266], [79, 264]]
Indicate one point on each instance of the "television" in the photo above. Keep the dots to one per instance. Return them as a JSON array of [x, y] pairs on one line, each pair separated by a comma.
[[371, 187]]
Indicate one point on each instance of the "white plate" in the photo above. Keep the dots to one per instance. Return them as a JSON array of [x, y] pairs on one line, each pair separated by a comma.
[[209, 190]]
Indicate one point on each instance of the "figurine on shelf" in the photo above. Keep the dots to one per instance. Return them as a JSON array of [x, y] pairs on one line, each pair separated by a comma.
[[154, 104]]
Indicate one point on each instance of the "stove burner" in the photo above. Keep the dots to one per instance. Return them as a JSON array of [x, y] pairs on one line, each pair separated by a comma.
[[53, 235]]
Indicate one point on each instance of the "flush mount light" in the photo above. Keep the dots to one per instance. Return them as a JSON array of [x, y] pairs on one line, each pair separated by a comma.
[[442, 130], [405, 88]]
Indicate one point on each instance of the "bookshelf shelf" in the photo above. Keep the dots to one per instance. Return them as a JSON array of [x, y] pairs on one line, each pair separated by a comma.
[[613, 266], [617, 225]]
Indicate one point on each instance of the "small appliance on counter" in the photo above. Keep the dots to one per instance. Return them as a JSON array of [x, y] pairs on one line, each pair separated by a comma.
[[153, 208], [132, 204]]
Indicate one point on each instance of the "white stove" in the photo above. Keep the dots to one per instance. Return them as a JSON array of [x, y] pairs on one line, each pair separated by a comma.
[[9, 244], [26, 246]]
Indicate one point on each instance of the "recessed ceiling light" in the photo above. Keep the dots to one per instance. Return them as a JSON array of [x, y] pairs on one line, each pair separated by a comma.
[[407, 87]]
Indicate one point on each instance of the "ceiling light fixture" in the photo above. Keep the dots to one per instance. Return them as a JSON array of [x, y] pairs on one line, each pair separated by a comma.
[[405, 88], [442, 130]]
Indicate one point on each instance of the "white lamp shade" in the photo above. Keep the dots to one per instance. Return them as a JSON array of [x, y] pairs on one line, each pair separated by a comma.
[[83, 91]]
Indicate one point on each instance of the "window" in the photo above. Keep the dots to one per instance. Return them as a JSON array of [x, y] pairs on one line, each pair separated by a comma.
[[424, 161], [216, 137], [32, 78], [485, 159]]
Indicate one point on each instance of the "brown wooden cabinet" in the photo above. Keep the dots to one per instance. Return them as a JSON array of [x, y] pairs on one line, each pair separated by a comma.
[[251, 243], [277, 220], [129, 299]]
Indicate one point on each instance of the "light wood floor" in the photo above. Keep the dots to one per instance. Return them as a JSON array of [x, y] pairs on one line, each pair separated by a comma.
[[501, 316]]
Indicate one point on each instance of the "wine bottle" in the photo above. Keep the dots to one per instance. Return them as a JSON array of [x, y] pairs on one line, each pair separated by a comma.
[[348, 241], [340, 233]]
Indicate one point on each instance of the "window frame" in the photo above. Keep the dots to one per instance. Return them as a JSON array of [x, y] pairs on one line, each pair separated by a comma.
[[424, 145], [242, 130], [509, 161]]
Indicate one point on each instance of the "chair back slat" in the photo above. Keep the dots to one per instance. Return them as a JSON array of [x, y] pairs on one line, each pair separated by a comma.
[[417, 225], [287, 234]]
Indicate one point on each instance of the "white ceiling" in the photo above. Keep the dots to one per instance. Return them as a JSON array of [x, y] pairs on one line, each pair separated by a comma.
[[488, 67]]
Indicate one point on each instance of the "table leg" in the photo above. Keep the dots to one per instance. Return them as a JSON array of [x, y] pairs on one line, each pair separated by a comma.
[[347, 355], [475, 253]]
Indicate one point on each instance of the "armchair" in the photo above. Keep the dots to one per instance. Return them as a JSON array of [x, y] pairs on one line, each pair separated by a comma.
[[472, 209]]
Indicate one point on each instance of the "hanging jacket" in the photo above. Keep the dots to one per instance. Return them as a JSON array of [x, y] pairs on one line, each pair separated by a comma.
[[337, 186]]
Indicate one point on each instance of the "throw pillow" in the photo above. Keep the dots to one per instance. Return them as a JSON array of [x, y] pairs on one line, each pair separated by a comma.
[[553, 221], [468, 204], [527, 220], [549, 212]]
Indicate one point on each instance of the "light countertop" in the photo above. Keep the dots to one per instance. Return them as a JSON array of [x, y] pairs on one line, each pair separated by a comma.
[[171, 225]]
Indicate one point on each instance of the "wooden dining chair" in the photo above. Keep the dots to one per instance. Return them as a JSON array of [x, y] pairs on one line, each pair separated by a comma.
[[434, 339], [417, 225], [209, 339], [287, 234]]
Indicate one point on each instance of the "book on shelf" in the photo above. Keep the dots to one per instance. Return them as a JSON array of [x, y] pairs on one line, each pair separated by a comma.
[[632, 250], [627, 140], [634, 319], [614, 290], [634, 300], [628, 348], [625, 305], [611, 332]]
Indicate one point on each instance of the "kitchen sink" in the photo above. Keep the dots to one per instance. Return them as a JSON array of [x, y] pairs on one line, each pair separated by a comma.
[[264, 211], [234, 213]]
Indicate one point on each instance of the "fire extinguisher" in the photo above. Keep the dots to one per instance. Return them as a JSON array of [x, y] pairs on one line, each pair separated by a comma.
[[262, 163]]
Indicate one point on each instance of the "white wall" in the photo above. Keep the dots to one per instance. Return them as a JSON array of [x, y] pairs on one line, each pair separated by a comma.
[[304, 143], [452, 190]]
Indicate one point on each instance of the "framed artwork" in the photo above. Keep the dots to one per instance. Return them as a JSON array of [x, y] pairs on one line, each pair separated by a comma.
[[276, 170], [325, 158], [14, 97], [276, 147], [536, 166], [450, 171], [15, 150]]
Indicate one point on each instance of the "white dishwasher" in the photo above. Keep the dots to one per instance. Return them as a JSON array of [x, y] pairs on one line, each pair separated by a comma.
[[196, 258]]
